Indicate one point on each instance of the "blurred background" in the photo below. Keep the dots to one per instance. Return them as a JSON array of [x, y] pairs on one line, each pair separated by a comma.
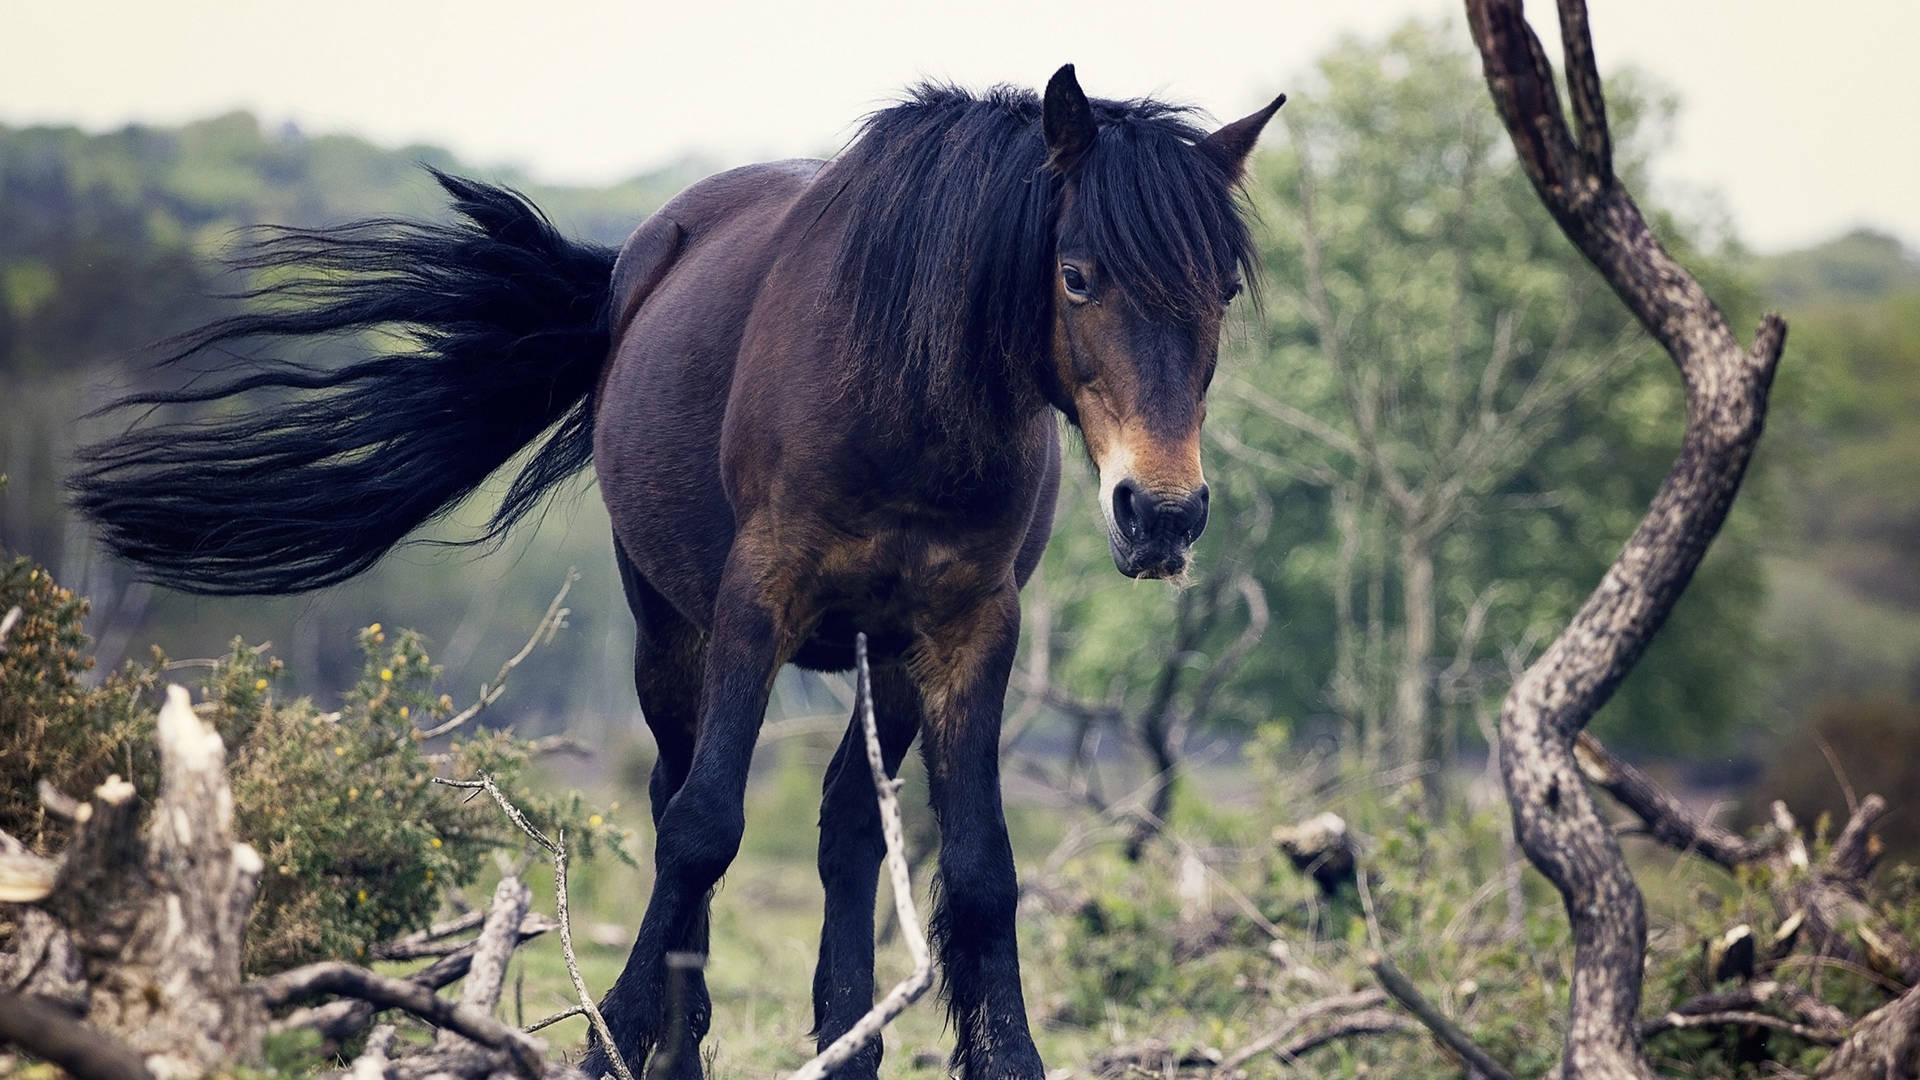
[[1429, 438]]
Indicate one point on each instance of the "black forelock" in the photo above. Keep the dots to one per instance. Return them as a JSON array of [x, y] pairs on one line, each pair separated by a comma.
[[947, 252]]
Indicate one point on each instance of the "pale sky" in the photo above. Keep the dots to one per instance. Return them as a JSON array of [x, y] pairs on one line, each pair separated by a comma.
[[1796, 117]]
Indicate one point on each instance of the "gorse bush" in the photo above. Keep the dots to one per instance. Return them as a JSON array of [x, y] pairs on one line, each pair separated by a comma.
[[358, 842]]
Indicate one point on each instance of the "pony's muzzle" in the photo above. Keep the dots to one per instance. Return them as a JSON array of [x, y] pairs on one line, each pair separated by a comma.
[[1153, 531]]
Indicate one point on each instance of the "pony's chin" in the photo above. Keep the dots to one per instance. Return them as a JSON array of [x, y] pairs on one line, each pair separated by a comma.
[[1153, 562]]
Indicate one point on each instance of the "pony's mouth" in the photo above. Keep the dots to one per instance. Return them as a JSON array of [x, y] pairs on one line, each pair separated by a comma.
[[1158, 561]]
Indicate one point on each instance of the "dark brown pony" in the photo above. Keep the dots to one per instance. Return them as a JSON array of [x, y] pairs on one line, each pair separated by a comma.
[[819, 397]]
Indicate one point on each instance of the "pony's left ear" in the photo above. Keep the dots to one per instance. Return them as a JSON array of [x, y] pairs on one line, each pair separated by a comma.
[[1232, 143], [1066, 119]]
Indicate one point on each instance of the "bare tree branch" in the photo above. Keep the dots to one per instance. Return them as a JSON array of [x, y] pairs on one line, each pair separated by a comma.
[[1666, 819], [558, 849], [334, 977], [1444, 1030], [543, 631], [1726, 387]]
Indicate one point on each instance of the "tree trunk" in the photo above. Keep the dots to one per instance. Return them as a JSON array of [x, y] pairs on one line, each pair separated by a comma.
[[1411, 713], [158, 916], [1554, 817]]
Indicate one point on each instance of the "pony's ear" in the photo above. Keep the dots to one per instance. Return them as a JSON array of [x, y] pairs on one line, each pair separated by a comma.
[[1067, 121], [1232, 143]]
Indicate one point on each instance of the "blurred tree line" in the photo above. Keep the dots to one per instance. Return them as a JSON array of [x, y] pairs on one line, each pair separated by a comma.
[[1425, 444]]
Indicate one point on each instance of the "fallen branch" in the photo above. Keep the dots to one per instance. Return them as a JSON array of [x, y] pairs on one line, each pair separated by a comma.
[[1351, 1026], [487, 973], [1444, 1030], [52, 1035], [865, 1029], [338, 1021], [333, 977]]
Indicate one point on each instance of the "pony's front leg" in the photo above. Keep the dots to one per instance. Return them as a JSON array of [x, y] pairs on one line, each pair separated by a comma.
[[961, 668], [699, 830], [851, 850]]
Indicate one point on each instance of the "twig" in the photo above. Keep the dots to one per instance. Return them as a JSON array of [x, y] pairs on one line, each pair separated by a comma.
[[1444, 1030], [558, 849], [6, 625], [587, 1005], [865, 1029], [1677, 1021], [564, 1014], [1296, 1019], [543, 630], [1351, 1026]]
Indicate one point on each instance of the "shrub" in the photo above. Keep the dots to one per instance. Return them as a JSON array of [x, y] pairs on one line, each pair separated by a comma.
[[359, 844]]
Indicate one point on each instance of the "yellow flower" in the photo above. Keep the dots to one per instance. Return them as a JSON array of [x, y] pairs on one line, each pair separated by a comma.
[[386, 674], [353, 793], [361, 896], [339, 751], [379, 638], [429, 875], [374, 629], [435, 842], [403, 712], [596, 820], [259, 684]]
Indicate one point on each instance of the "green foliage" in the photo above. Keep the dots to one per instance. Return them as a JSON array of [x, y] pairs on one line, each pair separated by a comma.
[[52, 724], [359, 844]]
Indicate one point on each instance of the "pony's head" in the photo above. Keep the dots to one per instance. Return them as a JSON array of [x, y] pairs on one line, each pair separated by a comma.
[[1150, 249]]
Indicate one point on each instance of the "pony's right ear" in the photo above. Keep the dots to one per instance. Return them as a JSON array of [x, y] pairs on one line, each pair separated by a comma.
[[1067, 121]]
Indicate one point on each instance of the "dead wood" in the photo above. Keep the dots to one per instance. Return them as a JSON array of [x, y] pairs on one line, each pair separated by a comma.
[[1555, 820], [54, 1034]]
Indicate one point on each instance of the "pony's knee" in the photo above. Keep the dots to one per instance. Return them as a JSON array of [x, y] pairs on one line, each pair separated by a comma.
[[978, 888], [699, 837]]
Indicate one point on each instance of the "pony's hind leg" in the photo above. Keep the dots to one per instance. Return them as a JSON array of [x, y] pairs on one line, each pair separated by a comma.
[[669, 654], [851, 850]]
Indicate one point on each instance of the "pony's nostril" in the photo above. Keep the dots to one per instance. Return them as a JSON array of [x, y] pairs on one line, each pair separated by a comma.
[[1196, 514], [1131, 510]]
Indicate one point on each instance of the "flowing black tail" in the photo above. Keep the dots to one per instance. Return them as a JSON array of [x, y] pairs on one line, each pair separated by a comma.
[[504, 325]]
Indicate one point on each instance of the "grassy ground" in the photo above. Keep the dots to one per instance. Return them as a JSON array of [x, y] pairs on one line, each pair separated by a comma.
[[1121, 964], [766, 929]]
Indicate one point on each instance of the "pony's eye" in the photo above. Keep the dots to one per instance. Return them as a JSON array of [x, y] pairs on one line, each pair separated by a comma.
[[1227, 294], [1074, 280]]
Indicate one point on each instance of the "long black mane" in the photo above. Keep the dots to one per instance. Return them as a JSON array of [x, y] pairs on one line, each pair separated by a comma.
[[947, 254]]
